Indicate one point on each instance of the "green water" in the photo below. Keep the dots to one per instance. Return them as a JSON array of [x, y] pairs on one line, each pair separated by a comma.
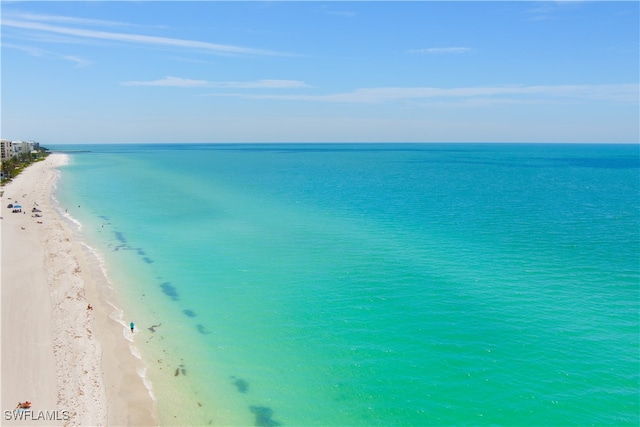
[[374, 284]]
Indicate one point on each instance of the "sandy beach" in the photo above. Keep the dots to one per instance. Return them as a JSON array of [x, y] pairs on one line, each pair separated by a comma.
[[73, 363]]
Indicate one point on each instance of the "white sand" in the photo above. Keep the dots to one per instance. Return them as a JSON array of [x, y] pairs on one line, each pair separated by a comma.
[[72, 363]]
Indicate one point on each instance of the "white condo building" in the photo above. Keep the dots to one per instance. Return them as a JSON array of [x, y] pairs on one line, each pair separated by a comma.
[[9, 149]]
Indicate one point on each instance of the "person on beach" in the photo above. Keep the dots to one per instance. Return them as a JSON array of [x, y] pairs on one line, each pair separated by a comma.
[[131, 325], [25, 405]]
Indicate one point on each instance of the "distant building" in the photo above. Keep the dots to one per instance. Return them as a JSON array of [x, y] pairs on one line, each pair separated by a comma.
[[11, 149], [23, 147], [5, 149]]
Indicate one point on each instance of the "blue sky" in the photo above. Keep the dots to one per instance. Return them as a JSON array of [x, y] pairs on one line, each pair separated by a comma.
[[101, 72]]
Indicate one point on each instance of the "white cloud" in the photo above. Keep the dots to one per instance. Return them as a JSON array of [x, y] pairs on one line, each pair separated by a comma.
[[168, 81], [545, 10], [68, 20], [180, 82], [33, 51], [263, 84], [80, 62], [37, 52], [327, 9], [139, 38], [517, 94], [441, 50]]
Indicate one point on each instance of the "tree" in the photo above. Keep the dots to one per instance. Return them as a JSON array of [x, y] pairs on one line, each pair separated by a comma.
[[13, 166]]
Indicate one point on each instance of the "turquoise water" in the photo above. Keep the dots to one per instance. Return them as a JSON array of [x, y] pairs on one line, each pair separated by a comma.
[[373, 284]]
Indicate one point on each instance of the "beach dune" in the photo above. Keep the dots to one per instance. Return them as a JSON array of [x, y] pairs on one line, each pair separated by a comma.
[[70, 361]]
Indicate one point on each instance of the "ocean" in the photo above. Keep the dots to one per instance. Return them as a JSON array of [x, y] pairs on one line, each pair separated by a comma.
[[371, 284]]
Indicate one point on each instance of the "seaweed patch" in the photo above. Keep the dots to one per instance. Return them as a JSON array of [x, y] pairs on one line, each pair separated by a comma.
[[180, 370], [263, 416], [120, 237], [241, 384], [169, 290], [202, 329]]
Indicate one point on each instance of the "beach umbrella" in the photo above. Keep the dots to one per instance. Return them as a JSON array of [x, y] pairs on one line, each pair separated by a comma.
[[17, 207]]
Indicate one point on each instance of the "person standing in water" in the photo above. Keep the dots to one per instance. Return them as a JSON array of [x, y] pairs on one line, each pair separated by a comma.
[[131, 325]]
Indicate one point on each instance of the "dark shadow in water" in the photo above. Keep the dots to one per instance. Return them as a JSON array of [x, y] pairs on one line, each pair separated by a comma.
[[181, 369], [189, 313], [263, 416], [241, 384], [125, 246], [170, 290], [120, 237], [202, 329]]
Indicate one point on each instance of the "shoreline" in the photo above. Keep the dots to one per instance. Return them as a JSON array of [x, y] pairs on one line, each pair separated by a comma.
[[82, 372]]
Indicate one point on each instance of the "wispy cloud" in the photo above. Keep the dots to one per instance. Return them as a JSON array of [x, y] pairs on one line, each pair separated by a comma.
[[168, 81], [33, 51], [68, 20], [495, 94], [440, 50], [546, 10], [140, 39], [264, 84], [80, 62], [327, 9], [37, 52], [171, 81]]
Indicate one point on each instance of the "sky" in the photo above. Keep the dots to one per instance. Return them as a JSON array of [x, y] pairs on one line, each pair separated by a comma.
[[286, 71]]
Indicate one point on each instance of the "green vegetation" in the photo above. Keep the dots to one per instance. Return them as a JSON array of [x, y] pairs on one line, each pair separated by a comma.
[[13, 166]]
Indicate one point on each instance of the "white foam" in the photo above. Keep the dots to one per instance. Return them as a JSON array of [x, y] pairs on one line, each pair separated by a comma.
[[77, 225], [117, 314], [63, 159], [102, 263], [142, 372], [134, 350]]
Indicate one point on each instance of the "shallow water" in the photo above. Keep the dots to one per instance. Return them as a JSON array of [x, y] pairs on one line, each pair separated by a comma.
[[373, 284]]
